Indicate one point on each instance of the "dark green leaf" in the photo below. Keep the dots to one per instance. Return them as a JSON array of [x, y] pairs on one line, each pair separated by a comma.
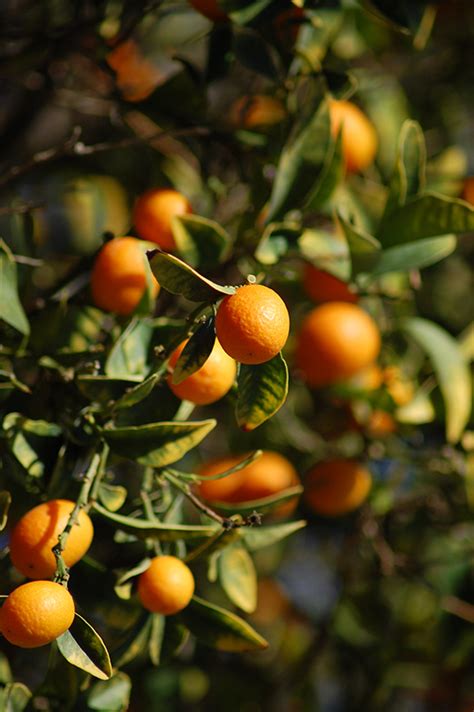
[[5, 501], [259, 537], [363, 248], [138, 393], [110, 695], [414, 255], [156, 638], [406, 13], [262, 390], [201, 242], [243, 11], [259, 505], [102, 389], [14, 697], [275, 240], [157, 444], [331, 175], [219, 628], [179, 278], [11, 309], [428, 215], [129, 354], [451, 369], [255, 54], [135, 643], [83, 647], [238, 577], [144, 529], [196, 352], [176, 636]]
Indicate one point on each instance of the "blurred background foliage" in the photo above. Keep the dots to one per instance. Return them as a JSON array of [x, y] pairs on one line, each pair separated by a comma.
[[103, 99]]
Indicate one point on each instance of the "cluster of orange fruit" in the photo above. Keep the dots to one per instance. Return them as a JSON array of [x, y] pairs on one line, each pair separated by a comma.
[[39, 611]]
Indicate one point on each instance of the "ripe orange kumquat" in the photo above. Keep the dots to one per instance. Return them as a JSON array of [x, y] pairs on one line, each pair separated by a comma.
[[36, 613], [119, 275], [336, 340], [324, 287], [253, 324], [167, 586], [209, 383], [336, 487], [153, 214], [359, 138], [37, 532]]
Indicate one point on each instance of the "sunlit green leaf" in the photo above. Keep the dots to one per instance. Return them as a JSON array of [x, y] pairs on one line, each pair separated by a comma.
[[259, 537], [201, 242], [112, 496], [414, 255], [5, 501], [262, 390], [14, 697], [179, 278], [112, 695], [196, 351], [156, 637], [83, 647], [238, 577]]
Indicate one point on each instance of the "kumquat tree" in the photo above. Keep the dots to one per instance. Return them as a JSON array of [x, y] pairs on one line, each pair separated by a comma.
[[236, 301]]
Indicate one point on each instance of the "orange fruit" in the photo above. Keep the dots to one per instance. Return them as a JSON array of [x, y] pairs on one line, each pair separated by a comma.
[[359, 138], [210, 9], [323, 287], [36, 613], [258, 111], [167, 586], [136, 75], [399, 387], [381, 424], [336, 340], [268, 475], [209, 383], [252, 324], [154, 212], [119, 275], [272, 604], [37, 532], [468, 190], [369, 379], [336, 487]]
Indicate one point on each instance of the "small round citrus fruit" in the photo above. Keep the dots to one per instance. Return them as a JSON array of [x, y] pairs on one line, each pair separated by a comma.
[[137, 76], [359, 138], [269, 474], [381, 424], [253, 324], [37, 532], [119, 275], [210, 9], [167, 586], [256, 112], [336, 340], [323, 287], [209, 383], [154, 212], [36, 613], [336, 487]]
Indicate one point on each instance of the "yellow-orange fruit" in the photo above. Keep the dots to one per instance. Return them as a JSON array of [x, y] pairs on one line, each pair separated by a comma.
[[119, 275], [136, 75], [167, 586], [36, 613], [257, 111], [336, 487], [336, 340], [381, 424], [209, 383], [252, 325], [210, 9], [323, 287], [37, 532], [359, 138], [153, 214], [369, 379]]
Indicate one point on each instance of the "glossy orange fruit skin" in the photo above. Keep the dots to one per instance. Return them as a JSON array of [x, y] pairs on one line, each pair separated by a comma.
[[167, 586], [336, 340], [36, 613], [209, 383], [210, 9], [36, 533], [252, 325], [154, 212], [336, 487], [269, 474], [359, 138], [119, 276], [323, 287]]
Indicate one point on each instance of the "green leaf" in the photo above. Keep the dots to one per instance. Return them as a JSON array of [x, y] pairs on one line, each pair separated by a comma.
[[129, 354], [11, 309], [196, 352], [112, 496], [259, 537], [103, 389], [331, 175], [135, 643], [451, 369], [156, 638], [243, 11], [275, 240], [5, 501], [408, 178], [157, 444], [406, 13], [110, 695], [238, 577], [176, 636], [146, 529], [414, 255], [363, 248], [83, 647], [428, 215], [258, 505], [179, 278], [123, 587], [301, 163], [255, 54], [262, 390], [5, 671], [201, 242], [33, 443], [221, 629], [138, 393], [14, 697], [326, 250]]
